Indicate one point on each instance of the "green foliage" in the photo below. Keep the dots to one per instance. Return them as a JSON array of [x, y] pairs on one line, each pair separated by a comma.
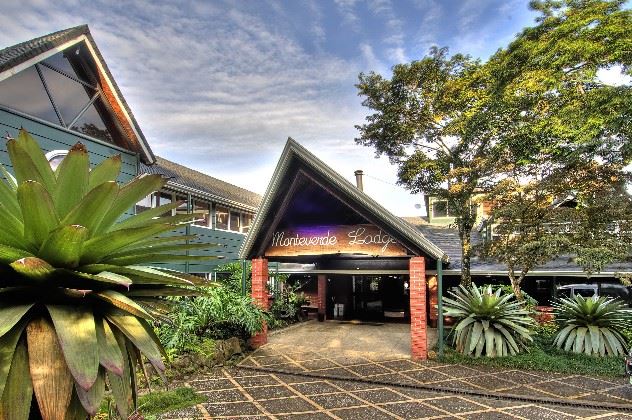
[[488, 321], [217, 312], [162, 402], [230, 276], [593, 326], [286, 306], [75, 295], [528, 302]]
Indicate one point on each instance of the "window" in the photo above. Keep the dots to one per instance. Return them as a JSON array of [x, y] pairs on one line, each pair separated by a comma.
[[55, 157], [246, 222], [439, 209], [146, 203], [182, 208], [221, 218], [235, 221], [60, 90], [164, 198], [202, 212]]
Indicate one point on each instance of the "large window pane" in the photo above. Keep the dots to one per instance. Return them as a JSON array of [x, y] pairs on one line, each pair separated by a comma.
[[246, 221], [182, 208], [69, 96], [91, 124], [146, 203], [440, 209], [221, 218], [202, 211], [235, 221], [165, 198], [60, 62], [24, 91]]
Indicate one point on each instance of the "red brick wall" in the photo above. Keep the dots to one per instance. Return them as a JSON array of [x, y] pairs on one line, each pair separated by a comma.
[[260, 295], [418, 321], [322, 293]]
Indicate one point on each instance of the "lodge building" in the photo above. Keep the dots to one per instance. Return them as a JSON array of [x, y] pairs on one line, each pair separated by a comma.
[[354, 258]]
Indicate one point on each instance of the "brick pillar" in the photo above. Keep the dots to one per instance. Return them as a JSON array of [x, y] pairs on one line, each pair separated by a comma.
[[322, 296], [418, 322], [433, 297], [260, 295]]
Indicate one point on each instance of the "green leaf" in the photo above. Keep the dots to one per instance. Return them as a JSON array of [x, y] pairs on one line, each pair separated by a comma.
[[123, 302], [149, 216], [129, 195], [78, 339], [9, 199], [162, 249], [138, 333], [90, 211], [72, 179], [33, 268], [8, 342], [91, 399], [52, 381], [11, 181], [121, 385], [99, 247], [75, 409], [162, 291], [476, 335], [63, 246], [157, 258], [11, 315], [73, 279], [9, 254], [12, 232], [110, 356], [38, 212], [106, 171], [18, 392], [29, 167]]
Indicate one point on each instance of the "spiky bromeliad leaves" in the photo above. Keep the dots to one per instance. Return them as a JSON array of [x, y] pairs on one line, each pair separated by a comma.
[[592, 325], [488, 321], [76, 299]]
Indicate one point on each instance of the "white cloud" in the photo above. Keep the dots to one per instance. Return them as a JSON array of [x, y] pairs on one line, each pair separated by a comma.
[[614, 76]]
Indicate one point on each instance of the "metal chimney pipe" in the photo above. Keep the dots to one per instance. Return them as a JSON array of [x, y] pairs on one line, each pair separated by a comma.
[[358, 175]]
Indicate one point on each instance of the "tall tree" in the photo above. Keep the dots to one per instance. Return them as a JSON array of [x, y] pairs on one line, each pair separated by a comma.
[[436, 120]]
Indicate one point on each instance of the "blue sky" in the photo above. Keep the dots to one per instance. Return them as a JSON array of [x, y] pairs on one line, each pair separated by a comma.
[[219, 86]]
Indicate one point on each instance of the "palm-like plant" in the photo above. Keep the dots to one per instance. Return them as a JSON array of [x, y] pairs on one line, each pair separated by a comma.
[[488, 321], [76, 299], [592, 325]]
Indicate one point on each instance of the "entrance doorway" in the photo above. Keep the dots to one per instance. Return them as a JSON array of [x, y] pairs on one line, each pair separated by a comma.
[[376, 298]]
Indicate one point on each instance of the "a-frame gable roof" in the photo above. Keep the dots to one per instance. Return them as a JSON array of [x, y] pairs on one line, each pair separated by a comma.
[[18, 57], [295, 153]]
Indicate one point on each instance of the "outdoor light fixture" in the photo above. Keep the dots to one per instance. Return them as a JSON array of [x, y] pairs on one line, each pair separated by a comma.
[[405, 285]]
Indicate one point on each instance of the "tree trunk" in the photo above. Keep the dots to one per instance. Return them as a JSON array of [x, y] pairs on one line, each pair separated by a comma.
[[465, 234], [515, 284]]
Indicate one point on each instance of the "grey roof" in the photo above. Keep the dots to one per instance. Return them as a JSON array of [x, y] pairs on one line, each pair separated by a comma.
[[293, 150], [17, 54], [213, 188], [448, 239]]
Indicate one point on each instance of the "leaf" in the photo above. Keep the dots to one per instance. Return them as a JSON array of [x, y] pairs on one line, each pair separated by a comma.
[[129, 195], [181, 248], [11, 181], [78, 339], [75, 409], [110, 356], [8, 342], [72, 179], [63, 246], [123, 302], [38, 212], [9, 254], [106, 171], [52, 381], [157, 258], [476, 335], [149, 216], [33, 268], [137, 333], [12, 232], [90, 211], [16, 400], [72, 279], [25, 167], [9, 199], [11, 315], [91, 399], [121, 385]]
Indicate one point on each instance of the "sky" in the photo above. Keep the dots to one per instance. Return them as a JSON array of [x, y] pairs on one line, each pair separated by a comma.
[[220, 85]]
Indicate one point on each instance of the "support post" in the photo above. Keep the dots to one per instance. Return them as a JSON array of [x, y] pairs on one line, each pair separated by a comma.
[[440, 305], [244, 276], [322, 296], [260, 295], [418, 308]]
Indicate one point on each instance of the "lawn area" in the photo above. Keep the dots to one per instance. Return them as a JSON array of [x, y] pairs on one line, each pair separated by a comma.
[[543, 356], [161, 402]]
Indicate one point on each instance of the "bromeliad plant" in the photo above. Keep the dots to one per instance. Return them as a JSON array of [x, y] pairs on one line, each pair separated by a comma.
[[489, 322], [592, 325], [76, 298]]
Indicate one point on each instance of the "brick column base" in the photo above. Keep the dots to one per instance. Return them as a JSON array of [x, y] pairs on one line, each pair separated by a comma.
[[260, 295], [418, 322], [322, 296]]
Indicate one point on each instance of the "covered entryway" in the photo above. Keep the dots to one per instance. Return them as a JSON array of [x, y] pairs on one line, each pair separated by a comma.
[[367, 264]]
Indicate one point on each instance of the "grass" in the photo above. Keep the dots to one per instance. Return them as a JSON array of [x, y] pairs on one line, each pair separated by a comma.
[[543, 356], [163, 401]]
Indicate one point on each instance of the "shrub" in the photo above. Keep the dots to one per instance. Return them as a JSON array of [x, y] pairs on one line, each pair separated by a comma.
[[76, 301], [594, 326], [488, 322], [529, 302], [216, 313], [287, 304]]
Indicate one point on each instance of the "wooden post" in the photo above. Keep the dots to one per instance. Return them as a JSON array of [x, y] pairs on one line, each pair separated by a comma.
[[322, 296]]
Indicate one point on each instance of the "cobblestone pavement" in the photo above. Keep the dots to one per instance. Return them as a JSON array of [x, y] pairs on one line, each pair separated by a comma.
[[245, 393]]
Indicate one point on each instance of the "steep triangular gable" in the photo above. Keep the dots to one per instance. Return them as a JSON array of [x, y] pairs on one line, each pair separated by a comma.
[[295, 166], [108, 106]]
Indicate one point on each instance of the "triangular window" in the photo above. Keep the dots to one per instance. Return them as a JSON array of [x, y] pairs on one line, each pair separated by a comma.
[[60, 90]]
